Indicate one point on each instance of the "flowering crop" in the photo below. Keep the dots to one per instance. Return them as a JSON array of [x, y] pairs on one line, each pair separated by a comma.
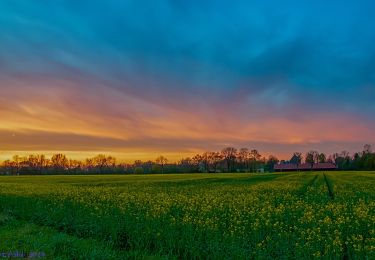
[[291, 215]]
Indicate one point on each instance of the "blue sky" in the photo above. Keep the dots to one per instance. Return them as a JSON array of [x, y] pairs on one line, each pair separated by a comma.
[[281, 76]]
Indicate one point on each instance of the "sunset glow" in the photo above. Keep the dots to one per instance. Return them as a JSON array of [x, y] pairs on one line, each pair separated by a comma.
[[177, 78]]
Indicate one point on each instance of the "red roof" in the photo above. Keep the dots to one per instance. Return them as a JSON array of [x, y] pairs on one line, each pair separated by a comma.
[[286, 166], [324, 166], [305, 166]]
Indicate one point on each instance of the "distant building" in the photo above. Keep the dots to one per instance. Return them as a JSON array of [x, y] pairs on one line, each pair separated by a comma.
[[290, 167]]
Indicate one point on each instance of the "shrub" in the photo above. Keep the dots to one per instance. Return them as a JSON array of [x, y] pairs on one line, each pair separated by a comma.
[[138, 170]]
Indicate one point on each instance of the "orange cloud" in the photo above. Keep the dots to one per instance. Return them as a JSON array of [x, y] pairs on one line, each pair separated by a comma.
[[55, 115]]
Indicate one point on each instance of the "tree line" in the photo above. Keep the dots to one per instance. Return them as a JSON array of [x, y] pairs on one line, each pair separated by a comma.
[[228, 159], [364, 160]]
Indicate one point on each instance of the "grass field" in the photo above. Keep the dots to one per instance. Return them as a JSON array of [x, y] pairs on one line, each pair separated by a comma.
[[262, 216]]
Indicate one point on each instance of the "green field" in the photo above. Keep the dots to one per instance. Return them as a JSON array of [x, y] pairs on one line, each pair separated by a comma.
[[261, 216]]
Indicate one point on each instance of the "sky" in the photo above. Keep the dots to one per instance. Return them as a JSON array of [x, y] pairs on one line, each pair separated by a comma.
[[137, 79]]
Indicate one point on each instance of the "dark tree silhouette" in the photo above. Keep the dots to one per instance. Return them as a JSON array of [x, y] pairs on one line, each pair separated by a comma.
[[162, 161], [229, 155], [296, 158]]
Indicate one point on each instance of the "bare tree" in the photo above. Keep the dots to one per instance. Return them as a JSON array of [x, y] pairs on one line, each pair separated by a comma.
[[103, 162], [205, 160], [254, 158], [296, 158], [322, 158], [197, 160], [17, 163], [367, 149], [187, 164], [244, 157], [345, 154], [214, 158], [312, 157], [162, 161], [229, 155], [59, 161]]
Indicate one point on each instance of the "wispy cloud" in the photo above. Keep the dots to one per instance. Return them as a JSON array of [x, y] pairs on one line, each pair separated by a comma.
[[184, 76]]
